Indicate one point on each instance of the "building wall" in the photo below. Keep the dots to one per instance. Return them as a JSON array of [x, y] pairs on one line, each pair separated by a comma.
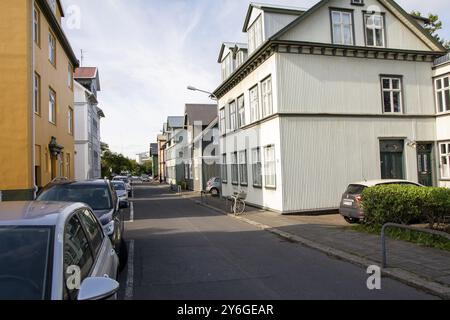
[[322, 155], [15, 99], [81, 161], [55, 77], [317, 27]]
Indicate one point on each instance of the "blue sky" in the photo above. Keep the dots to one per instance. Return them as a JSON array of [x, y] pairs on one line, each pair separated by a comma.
[[149, 51]]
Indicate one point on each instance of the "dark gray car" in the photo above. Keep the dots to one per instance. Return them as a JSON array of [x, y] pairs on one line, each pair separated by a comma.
[[54, 251]]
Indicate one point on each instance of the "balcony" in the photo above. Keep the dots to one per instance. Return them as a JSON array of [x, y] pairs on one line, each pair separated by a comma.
[[442, 59]]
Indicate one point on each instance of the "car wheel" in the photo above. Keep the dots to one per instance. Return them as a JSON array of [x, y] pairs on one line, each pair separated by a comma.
[[123, 255], [351, 220], [215, 192]]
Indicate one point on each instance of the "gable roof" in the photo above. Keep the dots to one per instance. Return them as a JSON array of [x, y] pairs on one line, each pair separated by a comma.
[[270, 8], [392, 6], [204, 113], [232, 46]]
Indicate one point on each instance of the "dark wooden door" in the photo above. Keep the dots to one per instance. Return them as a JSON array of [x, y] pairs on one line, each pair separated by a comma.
[[424, 164]]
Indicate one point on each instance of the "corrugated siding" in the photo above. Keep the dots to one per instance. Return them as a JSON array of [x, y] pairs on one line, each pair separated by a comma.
[[327, 84], [274, 22], [321, 156]]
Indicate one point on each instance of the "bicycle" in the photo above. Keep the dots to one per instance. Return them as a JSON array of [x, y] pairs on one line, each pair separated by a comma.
[[238, 203]]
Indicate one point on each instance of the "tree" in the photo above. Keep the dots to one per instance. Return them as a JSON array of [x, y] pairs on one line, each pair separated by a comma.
[[433, 26]]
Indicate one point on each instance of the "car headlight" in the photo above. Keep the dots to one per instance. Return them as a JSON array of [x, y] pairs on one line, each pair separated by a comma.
[[109, 229]]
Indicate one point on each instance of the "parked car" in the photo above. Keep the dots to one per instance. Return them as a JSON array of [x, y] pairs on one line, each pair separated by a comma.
[[121, 191], [45, 246], [214, 186], [136, 180], [127, 182], [101, 197], [350, 207], [145, 178]]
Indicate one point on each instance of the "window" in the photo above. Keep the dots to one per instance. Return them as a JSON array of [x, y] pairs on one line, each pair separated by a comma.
[[222, 121], [392, 94], [255, 35], [68, 165], [241, 111], [224, 169], [240, 57], [233, 116], [342, 25], [76, 253], [374, 25], [51, 48], [270, 166], [227, 66], [37, 94], [234, 168], [70, 76], [243, 174], [358, 2], [256, 167], [267, 101], [392, 159], [445, 160], [52, 106], [70, 120], [36, 27], [254, 104], [443, 94], [94, 231]]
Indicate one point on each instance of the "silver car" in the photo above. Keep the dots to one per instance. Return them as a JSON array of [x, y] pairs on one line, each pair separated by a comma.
[[121, 191], [214, 186], [54, 251]]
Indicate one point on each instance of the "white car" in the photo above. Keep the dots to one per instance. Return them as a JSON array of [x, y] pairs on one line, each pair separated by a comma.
[[127, 182]]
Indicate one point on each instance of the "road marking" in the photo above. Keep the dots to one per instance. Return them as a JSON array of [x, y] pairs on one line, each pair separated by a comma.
[[131, 212], [130, 274]]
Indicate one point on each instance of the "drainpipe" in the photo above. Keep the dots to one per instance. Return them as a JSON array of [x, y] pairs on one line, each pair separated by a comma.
[[33, 116]]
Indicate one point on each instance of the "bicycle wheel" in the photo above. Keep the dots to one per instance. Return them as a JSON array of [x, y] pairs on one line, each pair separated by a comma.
[[239, 207]]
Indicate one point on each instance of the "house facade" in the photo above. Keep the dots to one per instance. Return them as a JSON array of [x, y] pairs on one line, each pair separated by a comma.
[[197, 117], [334, 94], [161, 141], [173, 149], [87, 124], [154, 158], [37, 97]]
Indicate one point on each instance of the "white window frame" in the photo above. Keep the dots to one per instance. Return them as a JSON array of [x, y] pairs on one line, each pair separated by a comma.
[[52, 106], [37, 26], [254, 103], [270, 167], [372, 28], [257, 168], [241, 111], [222, 121], [37, 93], [224, 169], [443, 94], [234, 168], [358, 2], [243, 168], [51, 48], [341, 25], [391, 91], [70, 120], [267, 97], [255, 34], [233, 115], [444, 156]]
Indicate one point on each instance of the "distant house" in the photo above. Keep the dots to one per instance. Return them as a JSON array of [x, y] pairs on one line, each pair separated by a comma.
[[154, 158], [197, 117], [87, 116], [329, 95], [173, 149], [161, 141]]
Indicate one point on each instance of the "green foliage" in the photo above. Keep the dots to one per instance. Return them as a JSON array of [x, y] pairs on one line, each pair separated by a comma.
[[405, 205], [433, 27], [114, 163]]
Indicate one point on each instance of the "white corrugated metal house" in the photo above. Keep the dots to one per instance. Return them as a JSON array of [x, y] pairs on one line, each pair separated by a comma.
[[326, 96]]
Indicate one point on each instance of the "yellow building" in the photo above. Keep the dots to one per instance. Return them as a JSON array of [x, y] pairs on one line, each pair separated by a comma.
[[36, 97]]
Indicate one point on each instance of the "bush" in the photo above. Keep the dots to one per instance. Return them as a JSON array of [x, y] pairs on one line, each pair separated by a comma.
[[405, 205]]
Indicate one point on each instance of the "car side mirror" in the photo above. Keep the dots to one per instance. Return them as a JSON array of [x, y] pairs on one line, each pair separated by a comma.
[[98, 289], [123, 205]]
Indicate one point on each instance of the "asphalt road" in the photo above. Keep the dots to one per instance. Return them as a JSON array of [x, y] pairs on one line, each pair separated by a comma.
[[180, 250]]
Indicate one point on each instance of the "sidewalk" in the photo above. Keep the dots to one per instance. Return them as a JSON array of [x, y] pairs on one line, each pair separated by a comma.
[[425, 268]]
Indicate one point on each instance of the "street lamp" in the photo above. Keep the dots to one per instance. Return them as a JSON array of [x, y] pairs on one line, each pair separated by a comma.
[[211, 95]]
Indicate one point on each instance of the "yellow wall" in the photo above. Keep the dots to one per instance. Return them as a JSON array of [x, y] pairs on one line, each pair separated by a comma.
[[16, 82], [15, 95], [56, 78]]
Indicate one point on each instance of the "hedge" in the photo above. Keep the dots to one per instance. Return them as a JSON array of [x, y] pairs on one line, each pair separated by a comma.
[[405, 205]]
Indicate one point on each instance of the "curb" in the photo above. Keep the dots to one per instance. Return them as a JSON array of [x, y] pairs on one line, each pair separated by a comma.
[[400, 275]]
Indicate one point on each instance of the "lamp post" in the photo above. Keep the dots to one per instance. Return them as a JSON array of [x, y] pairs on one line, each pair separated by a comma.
[[211, 95]]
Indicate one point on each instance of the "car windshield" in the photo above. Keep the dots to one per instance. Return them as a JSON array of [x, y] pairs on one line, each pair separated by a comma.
[[355, 189], [25, 254], [125, 180], [118, 186], [96, 196]]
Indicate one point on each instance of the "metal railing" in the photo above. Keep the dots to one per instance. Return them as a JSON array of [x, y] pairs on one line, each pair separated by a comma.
[[401, 226]]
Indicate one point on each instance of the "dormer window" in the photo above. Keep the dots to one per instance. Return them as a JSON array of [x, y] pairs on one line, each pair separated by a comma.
[[374, 29], [227, 66], [358, 2], [240, 57], [342, 26], [255, 35]]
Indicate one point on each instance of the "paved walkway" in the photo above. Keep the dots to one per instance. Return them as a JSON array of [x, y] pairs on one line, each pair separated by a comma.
[[332, 231]]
